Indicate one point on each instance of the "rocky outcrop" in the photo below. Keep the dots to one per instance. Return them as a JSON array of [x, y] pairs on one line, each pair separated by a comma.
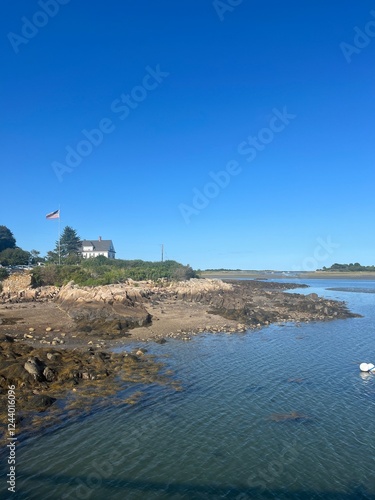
[[109, 308], [17, 288], [17, 282], [198, 289], [258, 303], [116, 309]]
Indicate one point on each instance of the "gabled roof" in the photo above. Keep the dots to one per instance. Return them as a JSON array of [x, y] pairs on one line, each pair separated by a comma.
[[99, 245]]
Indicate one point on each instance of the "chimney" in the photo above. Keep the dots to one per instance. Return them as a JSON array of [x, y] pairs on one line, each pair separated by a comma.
[[100, 238]]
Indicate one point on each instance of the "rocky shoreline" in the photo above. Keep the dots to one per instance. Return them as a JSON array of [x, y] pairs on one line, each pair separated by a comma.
[[55, 344]]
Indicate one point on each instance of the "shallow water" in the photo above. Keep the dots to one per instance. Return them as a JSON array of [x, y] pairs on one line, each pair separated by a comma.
[[222, 436]]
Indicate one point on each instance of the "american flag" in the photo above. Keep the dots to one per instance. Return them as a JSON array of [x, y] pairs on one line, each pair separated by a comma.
[[53, 215]]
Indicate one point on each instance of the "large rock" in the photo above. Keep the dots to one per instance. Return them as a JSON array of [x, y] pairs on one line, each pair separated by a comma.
[[109, 308], [198, 289], [35, 367]]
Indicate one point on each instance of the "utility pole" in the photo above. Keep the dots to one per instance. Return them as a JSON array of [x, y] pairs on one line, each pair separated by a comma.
[[162, 252], [59, 239]]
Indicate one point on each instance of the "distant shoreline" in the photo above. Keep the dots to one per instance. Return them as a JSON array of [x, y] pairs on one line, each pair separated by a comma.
[[273, 275]]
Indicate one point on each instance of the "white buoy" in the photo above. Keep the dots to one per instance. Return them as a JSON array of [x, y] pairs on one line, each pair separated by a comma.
[[366, 367]]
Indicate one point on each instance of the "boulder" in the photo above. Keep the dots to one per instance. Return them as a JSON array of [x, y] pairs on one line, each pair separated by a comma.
[[35, 367], [53, 356], [40, 402], [48, 374]]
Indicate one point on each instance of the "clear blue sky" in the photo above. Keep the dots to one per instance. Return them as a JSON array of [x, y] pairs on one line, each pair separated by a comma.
[[183, 90]]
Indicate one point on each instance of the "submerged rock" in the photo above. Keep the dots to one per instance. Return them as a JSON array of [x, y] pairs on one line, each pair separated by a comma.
[[40, 402], [42, 376], [293, 416]]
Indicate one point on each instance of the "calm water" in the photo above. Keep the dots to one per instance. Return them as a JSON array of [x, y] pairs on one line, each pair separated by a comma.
[[218, 437]]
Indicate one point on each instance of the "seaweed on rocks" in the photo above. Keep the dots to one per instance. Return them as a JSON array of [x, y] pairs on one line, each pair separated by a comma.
[[43, 377]]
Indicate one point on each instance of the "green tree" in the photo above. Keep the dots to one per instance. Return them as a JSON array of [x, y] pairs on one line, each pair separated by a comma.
[[7, 239], [52, 257], [70, 243], [14, 257], [35, 256]]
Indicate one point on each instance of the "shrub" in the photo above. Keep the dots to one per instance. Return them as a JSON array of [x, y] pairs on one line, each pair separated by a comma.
[[103, 271], [3, 273]]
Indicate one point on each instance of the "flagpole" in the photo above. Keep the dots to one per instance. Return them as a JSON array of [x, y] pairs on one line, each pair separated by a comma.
[[56, 215]]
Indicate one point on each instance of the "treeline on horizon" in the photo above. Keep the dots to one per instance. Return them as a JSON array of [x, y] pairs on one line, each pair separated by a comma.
[[222, 270], [348, 268]]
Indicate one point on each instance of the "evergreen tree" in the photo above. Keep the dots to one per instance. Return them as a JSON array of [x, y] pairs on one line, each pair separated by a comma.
[[70, 243]]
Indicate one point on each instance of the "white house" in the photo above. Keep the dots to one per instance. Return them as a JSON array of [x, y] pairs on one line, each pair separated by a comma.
[[93, 248]]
